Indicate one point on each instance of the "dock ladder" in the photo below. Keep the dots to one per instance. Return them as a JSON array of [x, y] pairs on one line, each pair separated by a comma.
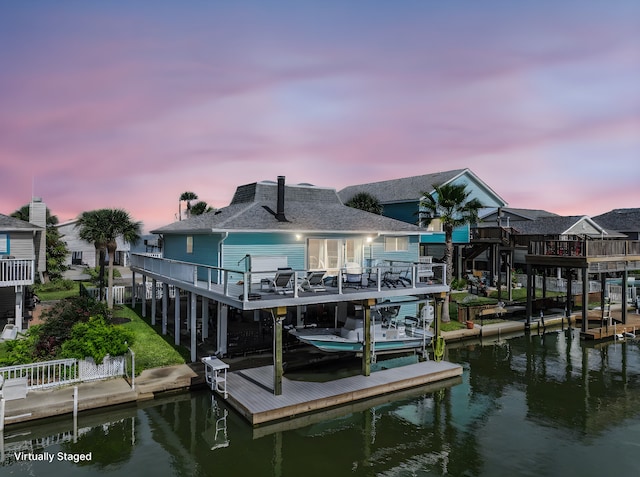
[[215, 374]]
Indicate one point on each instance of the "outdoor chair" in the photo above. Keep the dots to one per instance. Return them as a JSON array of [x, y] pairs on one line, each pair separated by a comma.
[[281, 283], [313, 282], [353, 275], [391, 279]]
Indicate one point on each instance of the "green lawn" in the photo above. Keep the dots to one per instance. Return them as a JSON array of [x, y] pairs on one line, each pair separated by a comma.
[[57, 291], [150, 347]]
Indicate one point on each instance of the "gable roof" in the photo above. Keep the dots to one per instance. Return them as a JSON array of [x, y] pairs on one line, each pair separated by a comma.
[[412, 189], [307, 208], [621, 220], [558, 225], [11, 224], [403, 189], [516, 214]]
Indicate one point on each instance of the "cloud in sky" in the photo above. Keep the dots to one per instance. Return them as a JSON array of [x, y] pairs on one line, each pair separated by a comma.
[[128, 104]]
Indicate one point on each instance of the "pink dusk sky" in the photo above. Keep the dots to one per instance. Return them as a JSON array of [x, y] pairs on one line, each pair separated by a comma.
[[129, 104]]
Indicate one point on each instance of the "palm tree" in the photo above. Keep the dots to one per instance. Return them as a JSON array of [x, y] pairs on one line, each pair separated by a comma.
[[200, 208], [186, 197], [365, 201], [103, 227], [450, 204]]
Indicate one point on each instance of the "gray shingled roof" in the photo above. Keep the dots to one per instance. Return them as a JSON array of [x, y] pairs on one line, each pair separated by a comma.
[[547, 225], [8, 224], [307, 208], [530, 214], [399, 190], [621, 220]]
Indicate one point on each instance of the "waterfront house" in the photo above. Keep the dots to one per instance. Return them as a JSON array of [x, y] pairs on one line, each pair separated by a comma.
[[83, 253], [232, 255], [401, 198], [626, 221], [22, 259]]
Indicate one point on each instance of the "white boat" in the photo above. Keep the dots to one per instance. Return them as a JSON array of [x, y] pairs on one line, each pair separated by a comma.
[[350, 337]]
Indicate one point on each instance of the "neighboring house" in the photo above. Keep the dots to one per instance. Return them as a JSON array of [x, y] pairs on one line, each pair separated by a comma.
[[626, 221], [225, 255], [401, 198], [22, 259], [83, 253], [148, 243], [491, 239]]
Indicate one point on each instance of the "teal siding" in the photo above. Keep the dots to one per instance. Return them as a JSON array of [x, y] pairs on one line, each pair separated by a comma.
[[205, 248], [478, 191], [460, 235], [405, 211], [237, 246]]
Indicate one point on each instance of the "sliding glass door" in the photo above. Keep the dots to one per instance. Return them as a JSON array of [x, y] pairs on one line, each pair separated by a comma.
[[332, 254]]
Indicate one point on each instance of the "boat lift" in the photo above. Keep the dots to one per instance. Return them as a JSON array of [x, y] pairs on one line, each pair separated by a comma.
[[215, 374]]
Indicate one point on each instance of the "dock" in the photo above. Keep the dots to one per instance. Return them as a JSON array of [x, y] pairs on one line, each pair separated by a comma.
[[612, 328], [250, 391]]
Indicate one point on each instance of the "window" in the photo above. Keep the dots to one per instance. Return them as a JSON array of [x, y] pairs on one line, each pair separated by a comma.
[[76, 258], [434, 225], [332, 254], [396, 244], [4, 243], [189, 243]]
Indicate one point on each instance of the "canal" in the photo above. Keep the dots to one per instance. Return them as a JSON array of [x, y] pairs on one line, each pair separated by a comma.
[[538, 405]]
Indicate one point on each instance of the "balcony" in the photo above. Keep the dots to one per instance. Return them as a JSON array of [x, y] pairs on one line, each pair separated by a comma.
[[16, 271], [249, 291], [597, 255]]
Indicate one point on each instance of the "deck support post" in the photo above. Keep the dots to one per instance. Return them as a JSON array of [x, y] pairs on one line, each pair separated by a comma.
[[144, 296], [279, 315], [529, 311], [193, 317], [176, 319], [585, 295], [133, 289], [153, 301], [221, 336], [366, 348], [569, 308], [205, 318], [625, 277], [165, 305], [603, 287]]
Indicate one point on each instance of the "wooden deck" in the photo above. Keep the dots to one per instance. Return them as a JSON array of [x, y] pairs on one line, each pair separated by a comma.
[[250, 390], [608, 332]]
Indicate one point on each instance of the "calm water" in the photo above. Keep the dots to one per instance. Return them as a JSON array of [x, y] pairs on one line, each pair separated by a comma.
[[540, 405]]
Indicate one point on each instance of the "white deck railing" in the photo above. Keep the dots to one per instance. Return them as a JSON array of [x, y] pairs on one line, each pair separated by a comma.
[[16, 271], [238, 284]]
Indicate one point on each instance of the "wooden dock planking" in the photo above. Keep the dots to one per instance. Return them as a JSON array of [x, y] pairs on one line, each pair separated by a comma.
[[250, 390], [607, 332]]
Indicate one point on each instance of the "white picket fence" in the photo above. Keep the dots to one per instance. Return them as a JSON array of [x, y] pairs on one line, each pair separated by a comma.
[[122, 294], [60, 372]]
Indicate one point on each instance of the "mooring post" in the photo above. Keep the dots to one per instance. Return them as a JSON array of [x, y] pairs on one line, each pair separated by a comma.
[[366, 348], [75, 414], [2, 414], [279, 315]]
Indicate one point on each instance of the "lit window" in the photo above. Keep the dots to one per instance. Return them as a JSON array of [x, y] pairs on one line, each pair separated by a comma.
[[396, 244], [189, 243]]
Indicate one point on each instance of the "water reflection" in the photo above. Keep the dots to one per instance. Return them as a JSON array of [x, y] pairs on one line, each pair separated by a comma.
[[529, 405]]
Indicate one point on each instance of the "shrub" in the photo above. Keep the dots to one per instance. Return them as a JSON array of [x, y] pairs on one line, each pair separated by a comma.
[[59, 321], [55, 285], [96, 338], [21, 351], [94, 274]]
